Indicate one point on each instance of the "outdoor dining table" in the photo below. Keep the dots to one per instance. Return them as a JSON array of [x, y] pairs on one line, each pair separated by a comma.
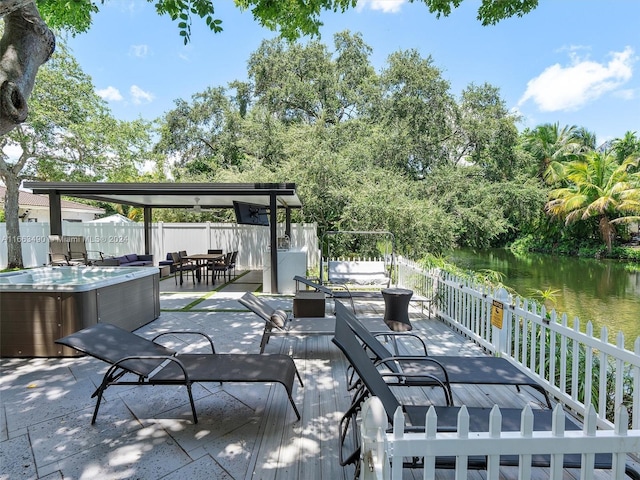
[[201, 260]]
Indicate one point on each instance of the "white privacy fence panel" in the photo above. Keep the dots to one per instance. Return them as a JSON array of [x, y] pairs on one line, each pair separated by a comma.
[[577, 368], [383, 452], [119, 239]]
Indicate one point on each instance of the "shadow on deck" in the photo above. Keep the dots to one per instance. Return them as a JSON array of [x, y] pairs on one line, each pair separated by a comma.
[[245, 431]]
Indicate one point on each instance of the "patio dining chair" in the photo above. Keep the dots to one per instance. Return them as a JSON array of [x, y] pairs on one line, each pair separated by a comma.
[[222, 267], [232, 263], [182, 265], [208, 268], [78, 252], [58, 251]]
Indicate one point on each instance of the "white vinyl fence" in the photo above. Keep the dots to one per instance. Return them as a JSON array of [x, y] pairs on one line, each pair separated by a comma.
[[383, 452], [576, 368], [250, 241]]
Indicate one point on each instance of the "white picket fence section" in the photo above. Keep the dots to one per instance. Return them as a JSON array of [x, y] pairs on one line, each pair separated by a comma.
[[251, 242], [383, 452], [575, 367]]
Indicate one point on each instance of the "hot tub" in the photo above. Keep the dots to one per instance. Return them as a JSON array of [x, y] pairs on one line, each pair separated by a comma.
[[40, 305]]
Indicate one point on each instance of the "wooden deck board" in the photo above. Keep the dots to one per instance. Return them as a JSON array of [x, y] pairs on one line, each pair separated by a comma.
[[309, 449]]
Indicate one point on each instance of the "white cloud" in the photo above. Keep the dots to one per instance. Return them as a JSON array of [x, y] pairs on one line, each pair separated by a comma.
[[386, 6], [110, 94], [140, 51], [626, 94], [140, 96], [584, 80]]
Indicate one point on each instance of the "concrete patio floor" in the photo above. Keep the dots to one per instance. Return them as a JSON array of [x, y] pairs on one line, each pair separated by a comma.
[[245, 431]]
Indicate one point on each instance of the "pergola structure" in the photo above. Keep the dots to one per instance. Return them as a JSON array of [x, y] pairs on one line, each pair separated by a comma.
[[148, 196]]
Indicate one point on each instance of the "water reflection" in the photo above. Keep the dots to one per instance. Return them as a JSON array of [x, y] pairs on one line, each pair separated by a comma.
[[600, 291]]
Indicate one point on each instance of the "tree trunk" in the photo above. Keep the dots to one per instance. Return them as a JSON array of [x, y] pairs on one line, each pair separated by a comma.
[[14, 246], [26, 44], [607, 232]]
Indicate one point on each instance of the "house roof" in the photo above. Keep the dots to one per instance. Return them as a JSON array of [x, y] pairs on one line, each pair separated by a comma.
[[28, 199], [115, 218]]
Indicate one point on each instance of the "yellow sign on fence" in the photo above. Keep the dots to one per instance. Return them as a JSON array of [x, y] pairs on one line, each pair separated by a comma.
[[497, 309]]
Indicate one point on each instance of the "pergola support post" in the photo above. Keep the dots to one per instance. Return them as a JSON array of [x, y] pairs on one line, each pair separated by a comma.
[[55, 213], [147, 231], [273, 223]]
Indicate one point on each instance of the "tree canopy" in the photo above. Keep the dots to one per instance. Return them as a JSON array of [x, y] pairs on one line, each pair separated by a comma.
[[70, 135], [368, 150], [28, 40]]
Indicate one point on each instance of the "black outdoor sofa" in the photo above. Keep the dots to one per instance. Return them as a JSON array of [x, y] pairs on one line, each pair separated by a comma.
[[151, 363], [372, 383]]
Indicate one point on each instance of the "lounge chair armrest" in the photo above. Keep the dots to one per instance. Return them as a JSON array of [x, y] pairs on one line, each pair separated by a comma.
[[415, 359], [403, 335], [433, 381], [186, 332], [310, 283]]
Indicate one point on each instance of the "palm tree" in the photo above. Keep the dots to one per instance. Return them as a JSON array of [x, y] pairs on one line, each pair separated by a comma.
[[627, 146], [598, 186], [551, 146]]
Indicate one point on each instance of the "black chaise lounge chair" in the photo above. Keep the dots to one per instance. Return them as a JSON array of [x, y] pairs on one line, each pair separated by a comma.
[[154, 364], [482, 370], [374, 384], [277, 322]]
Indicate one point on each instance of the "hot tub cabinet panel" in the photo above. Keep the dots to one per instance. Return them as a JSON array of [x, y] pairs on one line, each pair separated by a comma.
[[33, 317], [129, 305], [29, 324]]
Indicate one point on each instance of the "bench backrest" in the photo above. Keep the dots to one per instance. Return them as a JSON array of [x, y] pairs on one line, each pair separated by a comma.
[[358, 272]]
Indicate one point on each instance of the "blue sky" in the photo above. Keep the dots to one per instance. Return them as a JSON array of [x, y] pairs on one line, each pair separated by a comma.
[[576, 62]]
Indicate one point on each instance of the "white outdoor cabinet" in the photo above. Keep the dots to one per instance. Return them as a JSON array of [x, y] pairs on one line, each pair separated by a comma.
[[290, 264]]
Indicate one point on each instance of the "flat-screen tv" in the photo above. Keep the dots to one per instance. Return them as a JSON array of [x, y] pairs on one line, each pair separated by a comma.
[[249, 214]]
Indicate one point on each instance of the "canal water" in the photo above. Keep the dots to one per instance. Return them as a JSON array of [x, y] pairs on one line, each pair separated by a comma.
[[600, 291]]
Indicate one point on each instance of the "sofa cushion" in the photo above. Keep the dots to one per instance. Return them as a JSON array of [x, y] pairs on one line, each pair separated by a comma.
[[139, 263], [122, 259], [132, 257]]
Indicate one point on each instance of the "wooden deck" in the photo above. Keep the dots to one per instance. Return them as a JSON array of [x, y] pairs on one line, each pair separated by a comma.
[[245, 431], [309, 449]]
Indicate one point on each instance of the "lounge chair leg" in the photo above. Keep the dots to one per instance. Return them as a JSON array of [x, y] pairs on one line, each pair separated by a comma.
[[299, 377], [193, 405], [265, 338], [95, 411], [295, 409]]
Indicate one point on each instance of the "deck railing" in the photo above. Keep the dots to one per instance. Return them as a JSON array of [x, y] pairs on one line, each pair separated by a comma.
[[574, 366], [383, 452]]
